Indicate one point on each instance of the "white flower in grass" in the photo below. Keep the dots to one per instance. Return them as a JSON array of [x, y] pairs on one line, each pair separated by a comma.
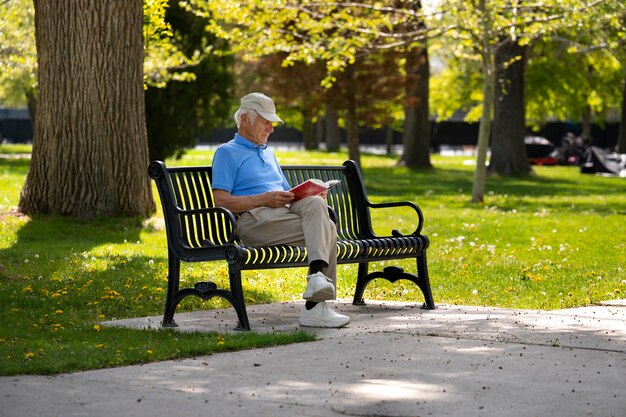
[[474, 292]]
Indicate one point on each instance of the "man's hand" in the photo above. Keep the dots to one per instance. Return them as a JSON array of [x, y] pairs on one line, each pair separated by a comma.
[[239, 204], [275, 199]]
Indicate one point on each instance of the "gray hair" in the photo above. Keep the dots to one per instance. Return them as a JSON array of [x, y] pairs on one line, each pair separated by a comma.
[[252, 115]]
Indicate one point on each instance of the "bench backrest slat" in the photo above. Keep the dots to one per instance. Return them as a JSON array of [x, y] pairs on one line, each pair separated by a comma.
[[192, 191]]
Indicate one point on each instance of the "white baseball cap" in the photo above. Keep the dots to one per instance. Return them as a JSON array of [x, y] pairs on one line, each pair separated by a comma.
[[262, 104]]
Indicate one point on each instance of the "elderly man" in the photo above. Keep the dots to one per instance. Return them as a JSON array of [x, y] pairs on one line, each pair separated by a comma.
[[248, 180]]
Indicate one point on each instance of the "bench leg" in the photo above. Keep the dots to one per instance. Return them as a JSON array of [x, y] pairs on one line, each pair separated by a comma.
[[424, 282], [238, 302], [361, 282], [173, 279], [393, 274]]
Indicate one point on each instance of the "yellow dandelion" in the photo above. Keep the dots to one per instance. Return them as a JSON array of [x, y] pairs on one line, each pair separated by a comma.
[[99, 345], [96, 327], [29, 355], [58, 312], [149, 351]]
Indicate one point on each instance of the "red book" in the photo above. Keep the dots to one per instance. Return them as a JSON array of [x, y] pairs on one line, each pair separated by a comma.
[[312, 187]]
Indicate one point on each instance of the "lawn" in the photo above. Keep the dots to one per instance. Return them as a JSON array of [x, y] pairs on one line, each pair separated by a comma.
[[553, 240]]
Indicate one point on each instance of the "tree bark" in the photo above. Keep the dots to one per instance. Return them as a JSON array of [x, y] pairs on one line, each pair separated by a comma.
[[621, 136], [416, 137], [508, 151], [90, 151]]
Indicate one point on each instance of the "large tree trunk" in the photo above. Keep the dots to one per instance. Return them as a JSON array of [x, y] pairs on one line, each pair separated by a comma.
[[508, 151], [90, 150], [416, 138], [621, 136]]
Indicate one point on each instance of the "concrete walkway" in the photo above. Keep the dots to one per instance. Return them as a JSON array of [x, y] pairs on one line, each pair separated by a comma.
[[395, 359]]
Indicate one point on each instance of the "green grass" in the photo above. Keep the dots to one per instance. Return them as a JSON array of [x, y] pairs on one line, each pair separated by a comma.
[[553, 240]]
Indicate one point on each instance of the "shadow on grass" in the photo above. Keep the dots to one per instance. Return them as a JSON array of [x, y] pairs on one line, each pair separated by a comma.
[[103, 263]]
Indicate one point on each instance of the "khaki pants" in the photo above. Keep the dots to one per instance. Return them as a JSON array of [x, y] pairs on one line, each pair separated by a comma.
[[303, 223]]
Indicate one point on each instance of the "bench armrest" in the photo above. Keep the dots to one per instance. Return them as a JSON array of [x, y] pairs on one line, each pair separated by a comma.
[[418, 211], [228, 215]]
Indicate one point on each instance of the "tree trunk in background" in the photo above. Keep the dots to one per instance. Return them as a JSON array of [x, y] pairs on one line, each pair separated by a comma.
[[352, 121], [333, 134], [621, 136], [319, 132], [489, 94], [90, 150], [508, 151], [389, 140], [308, 135], [416, 137]]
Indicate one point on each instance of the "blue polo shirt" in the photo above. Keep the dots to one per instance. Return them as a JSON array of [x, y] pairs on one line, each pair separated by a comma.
[[244, 168]]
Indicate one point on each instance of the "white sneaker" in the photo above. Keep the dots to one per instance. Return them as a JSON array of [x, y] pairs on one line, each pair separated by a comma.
[[318, 288], [322, 316]]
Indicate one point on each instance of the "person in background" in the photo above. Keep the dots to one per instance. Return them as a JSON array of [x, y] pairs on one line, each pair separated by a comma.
[[248, 180]]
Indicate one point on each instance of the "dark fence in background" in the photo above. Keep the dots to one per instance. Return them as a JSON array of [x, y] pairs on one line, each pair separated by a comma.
[[442, 133], [15, 126]]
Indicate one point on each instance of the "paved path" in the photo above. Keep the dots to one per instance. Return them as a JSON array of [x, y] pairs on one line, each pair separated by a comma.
[[395, 359]]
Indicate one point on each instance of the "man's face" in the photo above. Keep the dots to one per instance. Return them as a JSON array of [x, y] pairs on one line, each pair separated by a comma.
[[258, 131]]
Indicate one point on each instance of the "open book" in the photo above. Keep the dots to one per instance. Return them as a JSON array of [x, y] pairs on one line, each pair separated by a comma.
[[312, 187]]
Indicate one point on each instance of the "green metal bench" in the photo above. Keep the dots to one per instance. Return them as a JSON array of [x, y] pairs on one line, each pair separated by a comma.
[[198, 231]]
